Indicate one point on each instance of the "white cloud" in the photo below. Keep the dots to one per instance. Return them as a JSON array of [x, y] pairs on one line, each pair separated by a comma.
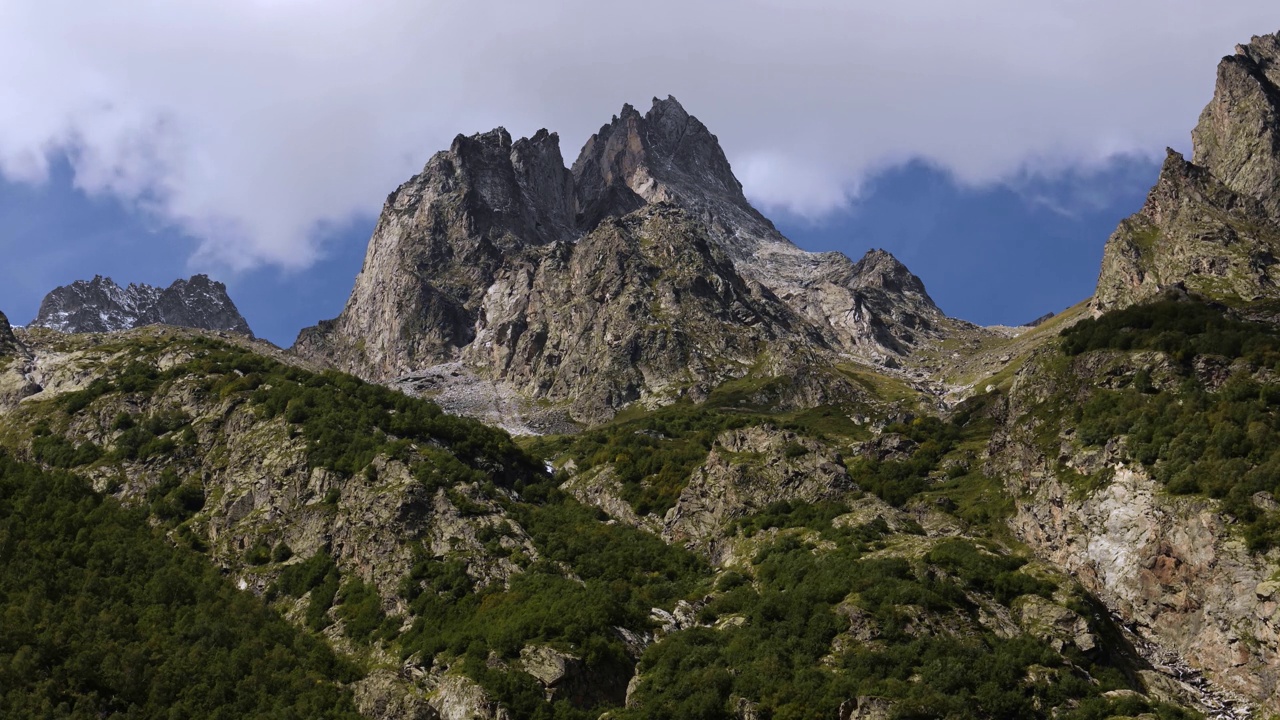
[[253, 123]]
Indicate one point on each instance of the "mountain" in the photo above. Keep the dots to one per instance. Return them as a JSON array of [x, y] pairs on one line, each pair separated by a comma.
[[100, 305], [455, 577], [796, 488], [668, 155], [640, 274], [1211, 225]]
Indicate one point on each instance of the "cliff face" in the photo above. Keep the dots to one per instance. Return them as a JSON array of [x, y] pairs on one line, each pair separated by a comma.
[[1173, 568], [100, 305], [645, 259], [8, 343], [1212, 224]]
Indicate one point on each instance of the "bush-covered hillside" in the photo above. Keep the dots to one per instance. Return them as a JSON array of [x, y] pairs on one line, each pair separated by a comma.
[[819, 611], [1214, 430], [103, 618]]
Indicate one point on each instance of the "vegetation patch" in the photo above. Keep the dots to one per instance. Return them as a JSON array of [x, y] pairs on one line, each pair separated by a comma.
[[1223, 443], [783, 657], [104, 618]]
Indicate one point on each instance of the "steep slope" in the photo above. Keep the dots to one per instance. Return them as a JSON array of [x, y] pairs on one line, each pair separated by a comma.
[[1140, 453], [105, 618], [466, 584], [645, 259], [667, 155], [1213, 224], [100, 305]]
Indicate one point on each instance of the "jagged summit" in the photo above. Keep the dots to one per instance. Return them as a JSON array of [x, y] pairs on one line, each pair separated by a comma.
[[1212, 224], [880, 269], [469, 254], [100, 305], [668, 155], [1238, 136]]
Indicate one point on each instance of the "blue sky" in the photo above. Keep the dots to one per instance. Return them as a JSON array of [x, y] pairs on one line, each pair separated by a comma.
[[1001, 253]]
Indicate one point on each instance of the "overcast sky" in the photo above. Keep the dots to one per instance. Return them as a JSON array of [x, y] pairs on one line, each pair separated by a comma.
[[254, 126]]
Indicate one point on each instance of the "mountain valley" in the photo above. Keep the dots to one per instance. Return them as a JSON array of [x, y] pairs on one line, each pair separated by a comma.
[[597, 441]]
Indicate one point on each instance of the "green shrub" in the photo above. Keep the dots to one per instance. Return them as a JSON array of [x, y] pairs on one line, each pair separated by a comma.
[[104, 617]]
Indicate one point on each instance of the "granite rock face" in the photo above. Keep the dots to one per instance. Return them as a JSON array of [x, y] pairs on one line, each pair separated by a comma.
[[1238, 136], [1212, 224], [1173, 569], [641, 274], [747, 470], [100, 305]]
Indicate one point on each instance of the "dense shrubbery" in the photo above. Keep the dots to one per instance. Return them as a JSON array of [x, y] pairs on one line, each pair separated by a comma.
[[897, 481], [996, 575], [787, 514], [345, 421], [780, 655], [360, 609], [57, 451], [318, 575], [624, 573], [1223, 443], [654, 454], [1182, 329], [103, 618]]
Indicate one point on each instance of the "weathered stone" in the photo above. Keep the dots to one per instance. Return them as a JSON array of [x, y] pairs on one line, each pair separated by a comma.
[[100, 305], [1212, 225], [642, 275], [382, 695], [746, 470]]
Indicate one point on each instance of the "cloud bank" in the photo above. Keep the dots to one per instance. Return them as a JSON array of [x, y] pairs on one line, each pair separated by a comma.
[[253, 125]]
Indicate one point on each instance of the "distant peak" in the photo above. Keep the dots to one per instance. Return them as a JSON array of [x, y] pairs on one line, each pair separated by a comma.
[[495, 138], [1261, 49], [101, 305], [881, 259], [878, 268]]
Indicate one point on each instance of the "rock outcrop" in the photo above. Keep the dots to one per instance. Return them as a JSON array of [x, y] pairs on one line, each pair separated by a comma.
[[100, 305], [747, 470], [15, 383], [8, 343], [641, 274], [1171, 568], [1212, 224], [667, 155]]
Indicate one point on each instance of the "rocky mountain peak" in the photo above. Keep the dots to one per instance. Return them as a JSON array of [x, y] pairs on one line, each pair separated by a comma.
[[1238, 136], [472, 257], [880, 269], [664, 155], [1211, 225], [101, 305]]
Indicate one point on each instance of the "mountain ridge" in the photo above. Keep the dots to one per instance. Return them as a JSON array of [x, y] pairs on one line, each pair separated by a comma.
[[100, 305], [466, 251], [1212, 224]]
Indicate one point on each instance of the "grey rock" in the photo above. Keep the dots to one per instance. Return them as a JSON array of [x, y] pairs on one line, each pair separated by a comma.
[[746, 470], [100, 305], [9, 344], [1212, 225], [641, 275]]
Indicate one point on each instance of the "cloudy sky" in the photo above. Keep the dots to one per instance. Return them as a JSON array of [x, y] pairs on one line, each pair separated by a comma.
[[256, 139]]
